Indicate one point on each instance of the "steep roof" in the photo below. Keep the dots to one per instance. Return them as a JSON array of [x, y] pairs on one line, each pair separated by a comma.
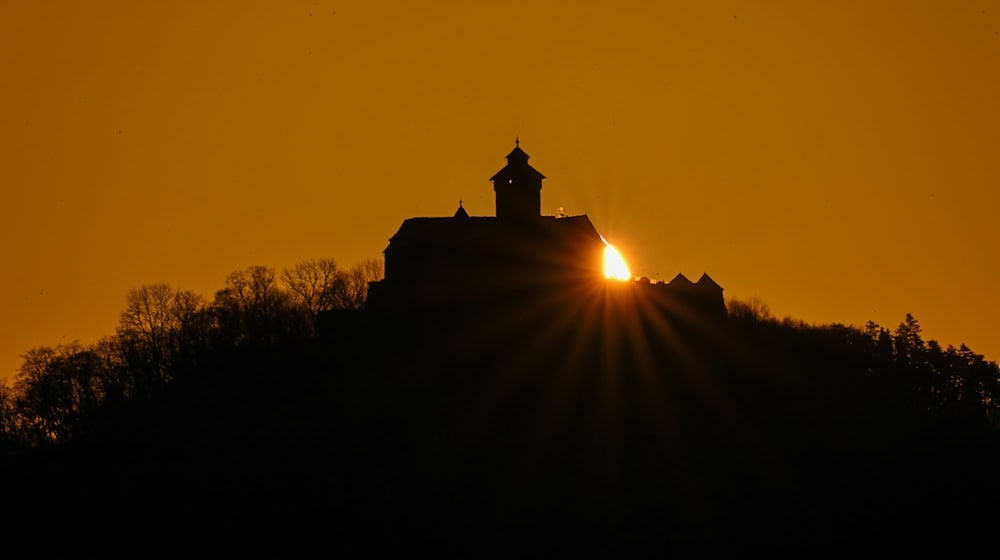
[[517, 154], [707, 281], [517, 164], [680, 279]]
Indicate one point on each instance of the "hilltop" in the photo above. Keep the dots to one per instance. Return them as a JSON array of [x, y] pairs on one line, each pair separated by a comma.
[[589, 421]]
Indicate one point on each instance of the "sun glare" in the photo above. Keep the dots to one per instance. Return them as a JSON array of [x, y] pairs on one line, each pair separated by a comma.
[[614, 265]]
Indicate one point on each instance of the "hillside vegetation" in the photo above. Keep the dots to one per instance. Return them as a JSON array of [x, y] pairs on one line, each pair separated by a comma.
[[280, 414]]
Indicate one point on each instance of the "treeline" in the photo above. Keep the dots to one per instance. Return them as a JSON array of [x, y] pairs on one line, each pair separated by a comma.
[[895, 370], [165, 335], [585, 418]]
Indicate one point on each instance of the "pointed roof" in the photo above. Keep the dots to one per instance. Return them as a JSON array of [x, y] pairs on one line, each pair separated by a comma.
[[680, 279], [461, 213], [518, 155], [707, 281], [517, 162]]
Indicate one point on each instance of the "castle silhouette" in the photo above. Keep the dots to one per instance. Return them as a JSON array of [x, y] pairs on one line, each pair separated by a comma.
[[463, 260]]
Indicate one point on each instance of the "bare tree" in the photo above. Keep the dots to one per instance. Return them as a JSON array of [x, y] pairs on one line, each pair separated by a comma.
[[313, 284], [255, 290], [157, 321], [355, 281], [55, 392], [185, 307], [253, 308], [148, 315], [146, 326], [753, 308], [117, 380]]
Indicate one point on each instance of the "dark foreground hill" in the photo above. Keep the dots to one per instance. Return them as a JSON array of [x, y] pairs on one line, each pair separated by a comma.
[[603, 427]]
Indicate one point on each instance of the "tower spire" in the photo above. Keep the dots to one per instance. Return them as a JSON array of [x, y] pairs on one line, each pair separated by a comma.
[[517, 187]]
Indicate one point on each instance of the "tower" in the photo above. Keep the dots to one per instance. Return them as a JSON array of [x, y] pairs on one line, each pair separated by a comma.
[[518, 188]]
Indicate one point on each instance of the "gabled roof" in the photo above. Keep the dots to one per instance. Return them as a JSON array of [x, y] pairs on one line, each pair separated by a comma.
[[460, 213], [707, 281], [680, 279]]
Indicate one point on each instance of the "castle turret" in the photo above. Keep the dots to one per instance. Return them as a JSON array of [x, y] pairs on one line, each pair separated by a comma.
[[518, 188]]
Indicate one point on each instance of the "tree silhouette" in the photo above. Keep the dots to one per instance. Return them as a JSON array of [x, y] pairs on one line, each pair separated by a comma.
[[609, 419], [252, 309], [56, 391], [8, 420], [909, 343], [354, 282], [314, 284], [750, 309], [118, 380], [145, 328]]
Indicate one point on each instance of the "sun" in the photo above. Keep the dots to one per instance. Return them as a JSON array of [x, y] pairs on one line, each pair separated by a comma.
[[615, 267]]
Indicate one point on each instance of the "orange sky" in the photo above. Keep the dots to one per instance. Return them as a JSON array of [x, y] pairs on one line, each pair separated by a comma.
[[838, 160]]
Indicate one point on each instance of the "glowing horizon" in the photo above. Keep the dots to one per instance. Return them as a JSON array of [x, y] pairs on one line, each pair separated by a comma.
[[758, 142]]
